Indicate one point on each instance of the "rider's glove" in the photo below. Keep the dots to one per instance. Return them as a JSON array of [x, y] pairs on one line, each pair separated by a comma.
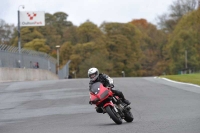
[[112, 85], [90, 102]]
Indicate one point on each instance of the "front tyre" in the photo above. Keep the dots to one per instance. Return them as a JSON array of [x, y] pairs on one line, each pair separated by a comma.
[[113, 115]]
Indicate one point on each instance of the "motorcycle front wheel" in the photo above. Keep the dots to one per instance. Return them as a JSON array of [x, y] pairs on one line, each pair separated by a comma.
[[113, 115]]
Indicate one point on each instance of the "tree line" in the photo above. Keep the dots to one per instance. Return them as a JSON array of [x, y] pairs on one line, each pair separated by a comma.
[[138, 48]]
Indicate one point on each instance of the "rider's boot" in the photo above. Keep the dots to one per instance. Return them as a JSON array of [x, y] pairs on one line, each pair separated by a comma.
[[126, 101]]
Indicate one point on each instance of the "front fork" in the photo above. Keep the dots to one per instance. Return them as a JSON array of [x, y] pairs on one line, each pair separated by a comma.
[[118, 107], [110, 104], [118, 103]]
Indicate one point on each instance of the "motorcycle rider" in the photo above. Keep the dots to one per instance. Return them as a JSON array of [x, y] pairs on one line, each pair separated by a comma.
[[95, 76]]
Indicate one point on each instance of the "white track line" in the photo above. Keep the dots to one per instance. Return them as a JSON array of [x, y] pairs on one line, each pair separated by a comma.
[[179, 82]]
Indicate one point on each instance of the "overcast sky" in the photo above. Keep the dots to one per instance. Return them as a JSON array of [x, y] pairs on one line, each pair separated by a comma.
[[97, 11]]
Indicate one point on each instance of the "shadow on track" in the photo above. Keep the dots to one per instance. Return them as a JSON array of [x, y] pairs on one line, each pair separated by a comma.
[[114, 124]]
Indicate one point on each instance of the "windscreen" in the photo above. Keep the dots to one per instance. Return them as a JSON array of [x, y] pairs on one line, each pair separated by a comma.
[[95, 88]]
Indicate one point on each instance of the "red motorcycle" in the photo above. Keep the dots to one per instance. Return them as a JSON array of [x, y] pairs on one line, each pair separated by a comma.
[[112, 105]]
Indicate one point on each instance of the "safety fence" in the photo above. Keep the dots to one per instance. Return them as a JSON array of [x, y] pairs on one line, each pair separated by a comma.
[[64, 72], [11, 58]]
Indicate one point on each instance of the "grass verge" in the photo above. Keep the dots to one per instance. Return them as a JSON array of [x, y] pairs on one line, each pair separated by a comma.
[[186, 78]]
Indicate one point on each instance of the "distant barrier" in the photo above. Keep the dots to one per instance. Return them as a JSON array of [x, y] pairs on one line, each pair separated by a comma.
[[64, 72], [18, 74], [10, 58]]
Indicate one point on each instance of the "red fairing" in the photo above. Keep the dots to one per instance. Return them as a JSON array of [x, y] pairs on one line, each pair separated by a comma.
[[99, 93], [92, 97], [109, 103]]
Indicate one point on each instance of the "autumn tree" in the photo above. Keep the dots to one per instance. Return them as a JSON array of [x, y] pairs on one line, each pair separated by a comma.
[[88, 55], [152, 44], [6, 32], [65, 53], [37, 45], [71, 35], [185, 38], [88, 32], [53, 31], [177, 10], [27, 34], [122, 42]]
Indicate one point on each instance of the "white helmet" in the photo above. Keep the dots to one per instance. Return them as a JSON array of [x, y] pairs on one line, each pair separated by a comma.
[[93, 73]]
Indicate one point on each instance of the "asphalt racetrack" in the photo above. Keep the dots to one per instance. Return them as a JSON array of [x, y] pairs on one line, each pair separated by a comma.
[[61, 106]]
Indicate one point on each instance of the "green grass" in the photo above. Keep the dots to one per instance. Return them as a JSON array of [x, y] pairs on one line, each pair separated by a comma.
[[187, 78]]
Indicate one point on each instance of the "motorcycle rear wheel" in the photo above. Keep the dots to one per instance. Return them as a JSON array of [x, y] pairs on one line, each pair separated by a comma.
[[113, 115], [128, 116]]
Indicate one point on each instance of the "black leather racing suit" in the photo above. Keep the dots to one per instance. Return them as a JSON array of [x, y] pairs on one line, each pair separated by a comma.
[[104, 79]]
